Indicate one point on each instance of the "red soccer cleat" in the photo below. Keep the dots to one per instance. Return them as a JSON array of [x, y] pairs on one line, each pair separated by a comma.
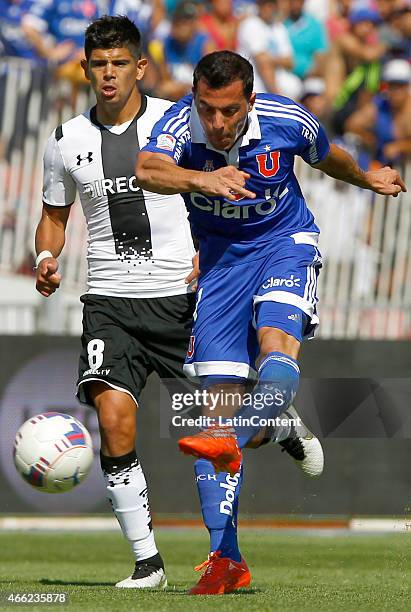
[[221, 576], [216, 444]]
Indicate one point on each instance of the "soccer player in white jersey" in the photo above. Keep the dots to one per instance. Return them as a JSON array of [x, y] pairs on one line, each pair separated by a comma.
[[230, 152], [138, 309]]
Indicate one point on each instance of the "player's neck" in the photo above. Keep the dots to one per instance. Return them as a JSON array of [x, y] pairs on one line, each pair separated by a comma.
[[109, 114]]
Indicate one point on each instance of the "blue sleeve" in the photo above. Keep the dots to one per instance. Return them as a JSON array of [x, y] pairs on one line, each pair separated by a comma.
[[171, 134], [313, 145]]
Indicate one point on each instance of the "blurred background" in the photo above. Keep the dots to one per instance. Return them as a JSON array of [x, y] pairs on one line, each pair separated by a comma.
[[348, 62]]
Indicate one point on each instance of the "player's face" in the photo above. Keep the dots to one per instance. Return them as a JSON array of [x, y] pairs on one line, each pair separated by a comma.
[[223, 112], [113, 74]]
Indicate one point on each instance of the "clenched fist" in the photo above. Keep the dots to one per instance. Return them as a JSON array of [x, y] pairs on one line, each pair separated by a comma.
[[385, 181], [48, 279]]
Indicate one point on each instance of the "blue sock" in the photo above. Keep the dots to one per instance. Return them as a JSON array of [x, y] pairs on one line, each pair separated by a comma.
[[278, 378], [219, 504]]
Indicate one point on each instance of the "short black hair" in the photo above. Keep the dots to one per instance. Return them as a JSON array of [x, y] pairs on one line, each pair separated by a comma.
[[113, 32], [221, 68]]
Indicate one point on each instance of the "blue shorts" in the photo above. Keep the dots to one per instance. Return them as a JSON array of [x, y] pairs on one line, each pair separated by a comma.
[[279, 291]]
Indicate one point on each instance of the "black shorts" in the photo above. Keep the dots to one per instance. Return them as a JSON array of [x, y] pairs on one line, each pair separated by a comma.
[[125, 339]]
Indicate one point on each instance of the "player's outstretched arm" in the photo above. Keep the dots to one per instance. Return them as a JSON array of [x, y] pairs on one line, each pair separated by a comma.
[[340, 165], [50, 238], [159, 173]]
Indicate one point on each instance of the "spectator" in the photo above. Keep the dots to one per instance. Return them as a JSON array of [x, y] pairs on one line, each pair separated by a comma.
[[353, 70], [338, 23], [319, 8], [384, 8], [265, 42], [150, 18], [243, 8], [148, 15], [308, 39], [221, 25], [65, 22], [13, 41], [384, 124], [180, 51], [19, 39], [400, 20], [314, 99]]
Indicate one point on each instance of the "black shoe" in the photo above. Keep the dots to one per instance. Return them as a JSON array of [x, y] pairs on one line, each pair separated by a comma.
[[148, 574]]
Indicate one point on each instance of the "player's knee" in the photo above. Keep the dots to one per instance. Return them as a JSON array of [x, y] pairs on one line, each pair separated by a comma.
[[114, 419], [275, 340], [116, 414]]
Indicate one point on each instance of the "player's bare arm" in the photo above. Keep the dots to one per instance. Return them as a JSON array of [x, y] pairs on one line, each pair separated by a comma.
[[192, 278], [157, 172], [50, 236], [340, 165]]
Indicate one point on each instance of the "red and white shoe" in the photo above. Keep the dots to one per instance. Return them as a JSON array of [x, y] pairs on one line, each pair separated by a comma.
[[216, 444], [222, 575]]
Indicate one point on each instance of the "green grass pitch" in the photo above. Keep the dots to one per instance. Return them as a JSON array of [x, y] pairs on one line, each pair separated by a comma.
[[290, 571]]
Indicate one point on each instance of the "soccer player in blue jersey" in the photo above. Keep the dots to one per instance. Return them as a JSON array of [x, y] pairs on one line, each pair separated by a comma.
[[230, 152]]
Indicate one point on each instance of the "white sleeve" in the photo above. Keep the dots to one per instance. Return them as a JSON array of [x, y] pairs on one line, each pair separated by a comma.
[[251, 38], [59, 188], [283, 41]]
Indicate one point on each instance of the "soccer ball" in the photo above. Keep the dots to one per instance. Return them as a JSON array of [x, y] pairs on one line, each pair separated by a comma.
[[53, 452]]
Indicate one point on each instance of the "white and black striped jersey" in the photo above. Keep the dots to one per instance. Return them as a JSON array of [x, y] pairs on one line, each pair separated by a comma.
[[140, 243]]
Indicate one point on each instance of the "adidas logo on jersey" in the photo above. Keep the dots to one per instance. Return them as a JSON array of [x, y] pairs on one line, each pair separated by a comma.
[[279, 282], [226, 506], [101, 187], [229, 211]]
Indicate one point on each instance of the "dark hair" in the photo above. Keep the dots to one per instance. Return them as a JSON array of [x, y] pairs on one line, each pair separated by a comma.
[[113, 32], [222, 68], [185, 10]]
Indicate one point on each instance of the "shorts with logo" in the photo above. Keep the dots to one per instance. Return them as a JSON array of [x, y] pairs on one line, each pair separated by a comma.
[[125, 339], [278, 290]]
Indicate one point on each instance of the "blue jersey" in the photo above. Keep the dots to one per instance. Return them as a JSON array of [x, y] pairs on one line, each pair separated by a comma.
[[229, 232], [13, 41], [139, 11], [66, 20]]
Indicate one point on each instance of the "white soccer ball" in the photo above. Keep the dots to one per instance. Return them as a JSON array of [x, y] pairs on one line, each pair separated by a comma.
[[53, 452]]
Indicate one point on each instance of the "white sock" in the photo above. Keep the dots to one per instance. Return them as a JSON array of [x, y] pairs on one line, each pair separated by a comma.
[[128, 495]]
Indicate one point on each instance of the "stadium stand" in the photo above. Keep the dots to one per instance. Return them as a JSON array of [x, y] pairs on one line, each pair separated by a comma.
[[365, 287]]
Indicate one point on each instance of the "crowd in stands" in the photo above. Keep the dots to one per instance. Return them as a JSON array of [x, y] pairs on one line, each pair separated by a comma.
[[347, 61]]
